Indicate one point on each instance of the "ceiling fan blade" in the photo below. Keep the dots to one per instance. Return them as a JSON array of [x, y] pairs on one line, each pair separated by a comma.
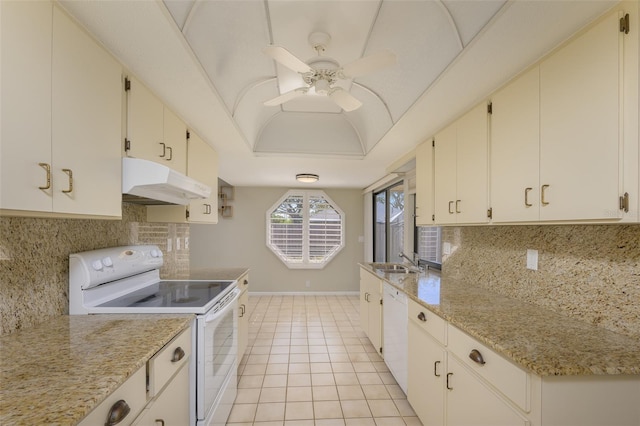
[[285, 97], [344, 99], [369, 64], [286, 58]]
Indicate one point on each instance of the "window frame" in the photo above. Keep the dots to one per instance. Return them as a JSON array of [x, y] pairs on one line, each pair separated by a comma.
[[416, 243], [387, 228], [305, 262]]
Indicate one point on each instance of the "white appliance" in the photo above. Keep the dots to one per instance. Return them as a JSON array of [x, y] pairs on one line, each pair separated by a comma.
[[395, 332], [152, 181], [127, 280]]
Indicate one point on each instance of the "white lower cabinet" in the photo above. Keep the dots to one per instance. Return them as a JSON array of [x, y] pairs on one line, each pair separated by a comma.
[[243, 314], [455, 380], [371, 307], [157, 394]]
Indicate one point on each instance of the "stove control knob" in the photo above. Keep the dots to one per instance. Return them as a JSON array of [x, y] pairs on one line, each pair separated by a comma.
[[156, 253], [97, 265], [107, 262]]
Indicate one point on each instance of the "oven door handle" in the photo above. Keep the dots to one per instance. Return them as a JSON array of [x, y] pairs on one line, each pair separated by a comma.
[[230, 303]]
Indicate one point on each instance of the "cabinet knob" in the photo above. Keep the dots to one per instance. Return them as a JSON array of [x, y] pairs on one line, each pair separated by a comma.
[[448, 378], [422, 317], [435, 368], [526, 197], [164, 150], [458, 206], [178, 354], [117, 413], [170, 153], [70, 188], [542, 193], [450, 204], [160, 421], [476, 356]]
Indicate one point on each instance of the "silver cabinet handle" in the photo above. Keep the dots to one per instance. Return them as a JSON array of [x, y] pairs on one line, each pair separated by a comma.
[[450, 204], [178, 354], [448, 377], [526, 197], [164, 149], [117, 413], [435, 368], [542, 200], [476, 357], [70, 188], [47, 167], [457, 206], [170, 153]]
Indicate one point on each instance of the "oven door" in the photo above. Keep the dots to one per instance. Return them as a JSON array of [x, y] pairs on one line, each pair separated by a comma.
[[217, 354]]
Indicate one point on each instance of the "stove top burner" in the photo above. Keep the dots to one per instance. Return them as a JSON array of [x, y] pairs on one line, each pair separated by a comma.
[[166, 294]]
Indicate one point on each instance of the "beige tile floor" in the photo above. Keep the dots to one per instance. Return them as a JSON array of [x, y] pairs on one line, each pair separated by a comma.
[[308, 363]]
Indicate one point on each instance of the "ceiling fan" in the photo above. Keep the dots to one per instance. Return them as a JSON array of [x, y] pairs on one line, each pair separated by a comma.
[[322, 72]]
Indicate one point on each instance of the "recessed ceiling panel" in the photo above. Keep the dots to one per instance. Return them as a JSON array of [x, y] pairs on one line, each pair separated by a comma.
[[470, 16], [228, 38], [251, 114], [179, 10], [372, 120], [425, 41], [309, 133]]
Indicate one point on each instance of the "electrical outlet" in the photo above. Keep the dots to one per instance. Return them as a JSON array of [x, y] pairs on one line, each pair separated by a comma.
[[177, 243], [169, 245], [532, 259], [446, 248]]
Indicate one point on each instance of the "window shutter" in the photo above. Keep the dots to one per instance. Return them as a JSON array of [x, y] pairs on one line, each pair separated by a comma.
[[325, 229], [286, 226]]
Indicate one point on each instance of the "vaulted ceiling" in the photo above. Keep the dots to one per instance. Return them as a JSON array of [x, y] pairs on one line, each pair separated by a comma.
[[207, 61]]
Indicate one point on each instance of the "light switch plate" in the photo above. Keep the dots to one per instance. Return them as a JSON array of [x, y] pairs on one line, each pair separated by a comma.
[[169, 245], [178, 243], [532, 259]]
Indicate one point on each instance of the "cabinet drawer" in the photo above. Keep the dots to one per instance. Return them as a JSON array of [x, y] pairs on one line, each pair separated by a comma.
[[164, 364], [432, 323], [501, 373], [133, 392]]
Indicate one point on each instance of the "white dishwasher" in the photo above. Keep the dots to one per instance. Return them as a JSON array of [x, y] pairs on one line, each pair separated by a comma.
[[395, 346]]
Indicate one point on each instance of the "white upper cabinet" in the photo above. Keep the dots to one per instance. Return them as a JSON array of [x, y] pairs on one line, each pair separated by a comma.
[[25, 143], [87, 117], [154, 132], [580, 140], [202, 166], [557, 134], [461, 170], [424, 184], [61, 116], [515, 150]]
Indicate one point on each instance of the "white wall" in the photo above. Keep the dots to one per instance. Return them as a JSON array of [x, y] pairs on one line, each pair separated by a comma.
[[240, 241]]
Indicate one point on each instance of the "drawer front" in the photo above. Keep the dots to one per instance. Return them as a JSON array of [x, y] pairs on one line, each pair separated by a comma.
[[428, 321], [166, 363], [133, 392], [506, 377]]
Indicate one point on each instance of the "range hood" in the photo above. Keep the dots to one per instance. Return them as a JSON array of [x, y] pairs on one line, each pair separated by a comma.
[[147, 182]]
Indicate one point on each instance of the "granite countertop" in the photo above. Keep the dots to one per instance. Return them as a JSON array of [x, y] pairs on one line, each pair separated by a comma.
[[217, 273], [538, 339], [58, 371]]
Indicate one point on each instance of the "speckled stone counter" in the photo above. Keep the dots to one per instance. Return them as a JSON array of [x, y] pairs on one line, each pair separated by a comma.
[[55, 373], [217, 273], [537, 339]]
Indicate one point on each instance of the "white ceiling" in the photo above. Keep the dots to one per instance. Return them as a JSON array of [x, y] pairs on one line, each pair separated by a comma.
[[205, 59]]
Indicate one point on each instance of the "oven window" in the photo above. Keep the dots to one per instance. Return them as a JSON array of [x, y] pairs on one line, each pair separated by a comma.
[[219, 354]]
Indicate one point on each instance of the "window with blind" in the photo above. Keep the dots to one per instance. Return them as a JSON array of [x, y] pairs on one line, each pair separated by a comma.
[[305, 229]]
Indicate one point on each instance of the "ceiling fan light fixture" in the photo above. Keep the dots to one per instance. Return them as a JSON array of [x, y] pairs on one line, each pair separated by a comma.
[[307, 177]]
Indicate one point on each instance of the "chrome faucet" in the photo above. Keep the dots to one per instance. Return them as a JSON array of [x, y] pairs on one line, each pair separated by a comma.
[[413, 262]]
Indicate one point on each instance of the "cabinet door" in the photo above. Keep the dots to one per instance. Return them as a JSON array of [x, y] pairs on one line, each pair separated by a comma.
[[445, 175], [515, 150], [175, 139], [375, 314], [145, 117], [427, 369], [472, 174], [87, 123], [471, 402], [203, 166], [424, 184], [171, 407], [579, 126], [25, 134]]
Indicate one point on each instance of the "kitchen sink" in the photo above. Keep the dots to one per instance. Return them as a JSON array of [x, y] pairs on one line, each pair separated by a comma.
[[392, 268]]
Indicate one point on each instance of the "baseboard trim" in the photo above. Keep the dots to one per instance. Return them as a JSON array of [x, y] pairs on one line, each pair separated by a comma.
[[304, 293]]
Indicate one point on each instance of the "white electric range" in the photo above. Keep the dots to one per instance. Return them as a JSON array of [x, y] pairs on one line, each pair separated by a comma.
[[127, 280]]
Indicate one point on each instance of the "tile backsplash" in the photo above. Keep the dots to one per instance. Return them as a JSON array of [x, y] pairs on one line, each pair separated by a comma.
[[34, 258], [590, 272]]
